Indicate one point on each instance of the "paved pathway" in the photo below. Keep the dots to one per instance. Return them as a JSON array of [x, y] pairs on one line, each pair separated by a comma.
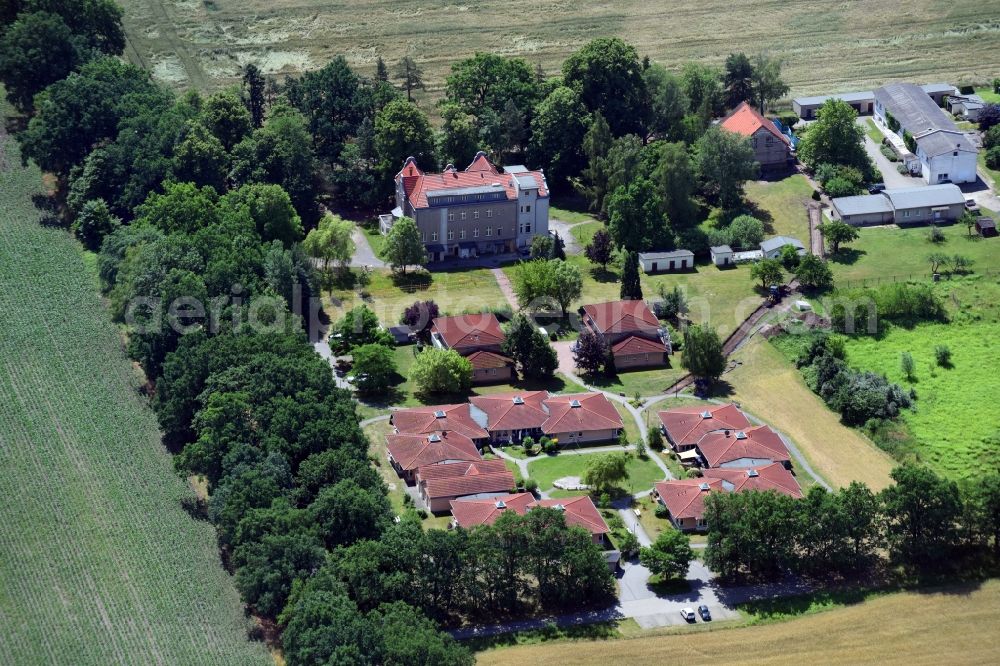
[[571, 247], [322, 348], [505, 287], [815, 212], [890, 176], [364, 255]]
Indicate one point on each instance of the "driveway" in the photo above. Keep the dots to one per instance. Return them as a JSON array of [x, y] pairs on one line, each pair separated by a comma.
[[892, 178], [563, 229], [363, 253]]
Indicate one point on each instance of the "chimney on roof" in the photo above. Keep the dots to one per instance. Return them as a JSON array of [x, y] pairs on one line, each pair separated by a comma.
[[727, 433]]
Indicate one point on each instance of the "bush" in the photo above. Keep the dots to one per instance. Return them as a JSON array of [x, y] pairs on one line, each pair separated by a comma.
[[942, 354], [530, 485], [991, 139], [889, 153], [816, 195], [993, 157], [935, 235], [661, 511], [745, 232], [841, 187], [901, 168], [655, 438]]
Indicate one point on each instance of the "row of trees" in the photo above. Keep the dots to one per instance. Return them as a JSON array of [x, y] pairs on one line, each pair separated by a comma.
[[923, 524]]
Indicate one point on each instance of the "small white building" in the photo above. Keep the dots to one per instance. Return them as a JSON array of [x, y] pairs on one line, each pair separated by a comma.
[[657, 262], [771, 248], [722, 255]]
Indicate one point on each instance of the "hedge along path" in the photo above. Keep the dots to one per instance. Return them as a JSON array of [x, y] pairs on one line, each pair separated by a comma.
[[100, 563]]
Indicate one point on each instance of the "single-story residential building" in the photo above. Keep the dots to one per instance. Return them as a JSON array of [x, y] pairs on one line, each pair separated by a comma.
[[440, 485], [685, 426], [406, 453], [510, 417], [578, 511], [771, 148], [582, 418], [676, 260], [910, 205], [684, 499], [479, 338], [752, 447], [631, 331], [440, 418], [771, 248], [722, 255], [986, 227]]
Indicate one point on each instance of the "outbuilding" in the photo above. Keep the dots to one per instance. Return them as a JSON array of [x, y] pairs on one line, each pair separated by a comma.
[[986, 227], [771, 248], [806, 107], [863, 211], [722, 255], [656, 262], [922, 205]]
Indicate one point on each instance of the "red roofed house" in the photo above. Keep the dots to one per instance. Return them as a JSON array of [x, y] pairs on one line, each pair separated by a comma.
[[479, 338], [685, 498], [439, 418], [408, 452], [582, 418], [510, 417], [753, 447], [631, 331], [481, 210], [770, 146], [685, 426], [579, 511], [439, 485]]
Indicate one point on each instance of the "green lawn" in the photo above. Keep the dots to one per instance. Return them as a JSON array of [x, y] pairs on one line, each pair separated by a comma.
[[873, 132], [102, 557], [885, 252], [643, 472], [375, 238], [951, 422], [992, 174], [583, 233], [986, 92], [642, 382], [569, 216], [782, 205]]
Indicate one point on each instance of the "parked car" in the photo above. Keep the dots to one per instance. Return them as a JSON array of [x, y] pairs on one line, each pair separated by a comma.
[[876, 188], [688, 614], [971, 206], [706, 615]]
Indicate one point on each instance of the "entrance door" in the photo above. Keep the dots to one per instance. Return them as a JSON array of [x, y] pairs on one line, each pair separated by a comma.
[[671, 265], [654, 266]]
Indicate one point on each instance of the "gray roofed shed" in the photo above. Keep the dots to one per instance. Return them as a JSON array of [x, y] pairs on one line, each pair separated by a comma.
[[924, 197], [674, 254], [867, 204], [779, 242], [861, 96]]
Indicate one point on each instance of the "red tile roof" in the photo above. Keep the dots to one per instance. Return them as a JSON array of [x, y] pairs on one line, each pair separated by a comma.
[[767, 477], [746, 120], [760, 443], [579, 511], [416, 183], [413, 451], [685, 498], [436, 418], [622, 317], [462, 479], [482, 360], [687, 425], [633, 344], [505, 412], [468, 332], [594, 412]]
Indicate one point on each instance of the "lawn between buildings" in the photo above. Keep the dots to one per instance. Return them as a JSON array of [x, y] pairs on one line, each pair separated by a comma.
[[642, 471]]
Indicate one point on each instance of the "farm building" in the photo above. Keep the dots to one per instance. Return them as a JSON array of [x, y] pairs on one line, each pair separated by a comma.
[[944, 151], [986, 227], [863, 101], [771, 148], [771, 248], [911, 205], [722, 255], [966, 107], [657, 262]]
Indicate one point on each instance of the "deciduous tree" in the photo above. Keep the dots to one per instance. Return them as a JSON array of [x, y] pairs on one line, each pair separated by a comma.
[[607, 74], [374, 368], [768, 271], [837, 233], [600, 249], [631, 289], [702, 353], [669, 556], [441, 371], [403, 245], [725, 161], [538, 284], [604, 472], [590, 353], [529, 349]]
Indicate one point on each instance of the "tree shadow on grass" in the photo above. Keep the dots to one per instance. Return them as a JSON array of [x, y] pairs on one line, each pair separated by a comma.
[[847, 256], [411, 282], [603, 275], [720, 389]]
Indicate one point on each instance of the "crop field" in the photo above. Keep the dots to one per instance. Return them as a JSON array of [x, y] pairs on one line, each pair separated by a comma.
[[830, 47], [99, 561], [901, 628]]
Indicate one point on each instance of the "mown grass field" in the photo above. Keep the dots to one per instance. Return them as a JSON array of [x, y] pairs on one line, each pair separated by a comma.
[[99, 562], [784, 202], [642, 472], [953, 433], [901, 628], [828, 48]]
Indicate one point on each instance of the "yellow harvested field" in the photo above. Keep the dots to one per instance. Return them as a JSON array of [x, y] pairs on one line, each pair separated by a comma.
[[772, 389], [827, 47], [958, 625]]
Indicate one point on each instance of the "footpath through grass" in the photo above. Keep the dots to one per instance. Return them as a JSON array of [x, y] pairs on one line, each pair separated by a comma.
[[99, 562]]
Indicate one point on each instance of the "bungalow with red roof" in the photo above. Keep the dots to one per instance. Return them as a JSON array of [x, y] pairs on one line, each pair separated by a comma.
[[751, 447], [685, 426], [684, 499], [510, 417], [578, 511], [479, 338], [631, 331], [406, 453], [439, 485], [582, 418], [481, 210], [771, 148], [440, 418]]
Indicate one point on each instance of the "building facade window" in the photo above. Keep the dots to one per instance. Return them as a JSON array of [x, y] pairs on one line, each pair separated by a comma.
[[434, 236], [463, 214], [475, 232], [489, 231], [461, 234], [475, 215], [423, 237], [451, 235], [489, 212], [451, 216], [499, 231]]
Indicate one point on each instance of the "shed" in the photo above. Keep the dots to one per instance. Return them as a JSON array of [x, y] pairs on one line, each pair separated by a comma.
[[933, 203], [806, 107], [677, 260], [771, 248], [722, 255], [862, 211], [986, 227]]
